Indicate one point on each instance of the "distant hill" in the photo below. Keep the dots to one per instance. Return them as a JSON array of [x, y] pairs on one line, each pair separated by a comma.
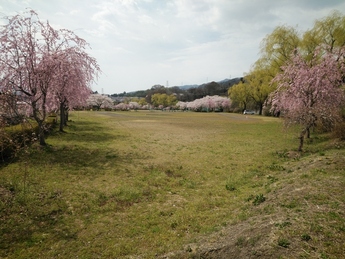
[[187, 92], [225, 83], [186, 87]]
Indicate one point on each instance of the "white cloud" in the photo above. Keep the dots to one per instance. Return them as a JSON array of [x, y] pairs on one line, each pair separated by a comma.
[[139, 43]]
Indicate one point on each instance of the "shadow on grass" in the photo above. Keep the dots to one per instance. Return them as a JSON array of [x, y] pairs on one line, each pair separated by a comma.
[[79, 132], [82, 149], [78, 160], [86, 132], [32, 210], [28, 219]]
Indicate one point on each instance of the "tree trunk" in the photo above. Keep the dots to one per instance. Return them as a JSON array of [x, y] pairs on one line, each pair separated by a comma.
[[244, 107], [41, 133], [40, 123], [301, 139], [62, 116], [260, 108], [66, 115]]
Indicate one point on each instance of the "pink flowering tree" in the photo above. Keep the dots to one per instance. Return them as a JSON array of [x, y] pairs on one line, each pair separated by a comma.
[[309, 93], [100, 101], [72, 80], [207, 103], [121, 107], [134, 105], [30, 56], [221, 103], [25, 63], [181, 105]]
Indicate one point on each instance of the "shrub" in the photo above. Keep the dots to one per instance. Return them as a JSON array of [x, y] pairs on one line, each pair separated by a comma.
[[16, 137], [230, 187], [258, 199], [306, 237], [283, 242], [339, 131]]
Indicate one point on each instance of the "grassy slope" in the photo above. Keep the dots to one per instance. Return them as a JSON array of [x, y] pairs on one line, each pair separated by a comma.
[[148, 184]]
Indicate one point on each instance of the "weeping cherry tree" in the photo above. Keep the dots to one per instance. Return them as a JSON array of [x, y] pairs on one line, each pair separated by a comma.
[[309, 92]]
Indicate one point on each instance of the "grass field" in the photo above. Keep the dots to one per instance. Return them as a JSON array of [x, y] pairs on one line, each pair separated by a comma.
[[154, 184]]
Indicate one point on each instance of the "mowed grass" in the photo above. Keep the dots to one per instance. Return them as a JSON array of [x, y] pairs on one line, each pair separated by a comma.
[[145, 184]]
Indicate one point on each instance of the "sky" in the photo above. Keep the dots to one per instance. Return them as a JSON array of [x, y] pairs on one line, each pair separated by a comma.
[[142, 43]]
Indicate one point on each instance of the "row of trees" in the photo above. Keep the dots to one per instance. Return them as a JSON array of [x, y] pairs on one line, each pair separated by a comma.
[[160, 101], [99, 101], [301, 76], [207, 103], [44, 68]]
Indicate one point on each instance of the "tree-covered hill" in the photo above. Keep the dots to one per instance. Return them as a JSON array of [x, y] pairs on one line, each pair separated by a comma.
[[186, 92]]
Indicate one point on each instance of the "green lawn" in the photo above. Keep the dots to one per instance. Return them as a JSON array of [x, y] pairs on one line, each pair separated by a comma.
[[148, 183]]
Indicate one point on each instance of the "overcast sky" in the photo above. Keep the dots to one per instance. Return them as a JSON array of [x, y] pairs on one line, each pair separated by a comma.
[[140, 43]]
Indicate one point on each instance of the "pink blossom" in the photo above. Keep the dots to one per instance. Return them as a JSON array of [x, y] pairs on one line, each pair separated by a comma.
[[309, 93]]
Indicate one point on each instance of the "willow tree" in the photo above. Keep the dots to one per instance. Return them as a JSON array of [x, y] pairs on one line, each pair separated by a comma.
[[331, 31], [239, 94], [276, 48], [259, 83], [163, 100], [327, 33]]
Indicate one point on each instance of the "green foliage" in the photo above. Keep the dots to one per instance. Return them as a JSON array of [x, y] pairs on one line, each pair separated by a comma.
[[240, 241], [240, 95], [330, 30], [163, 99], [306, 237], [230, 187], [284, 242], [16, 137], [258, 199], [278, 46], [276, 167], [284, 224], [259, 84]]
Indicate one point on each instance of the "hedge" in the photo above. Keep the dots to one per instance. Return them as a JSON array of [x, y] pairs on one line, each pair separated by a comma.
[[14, 138]]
